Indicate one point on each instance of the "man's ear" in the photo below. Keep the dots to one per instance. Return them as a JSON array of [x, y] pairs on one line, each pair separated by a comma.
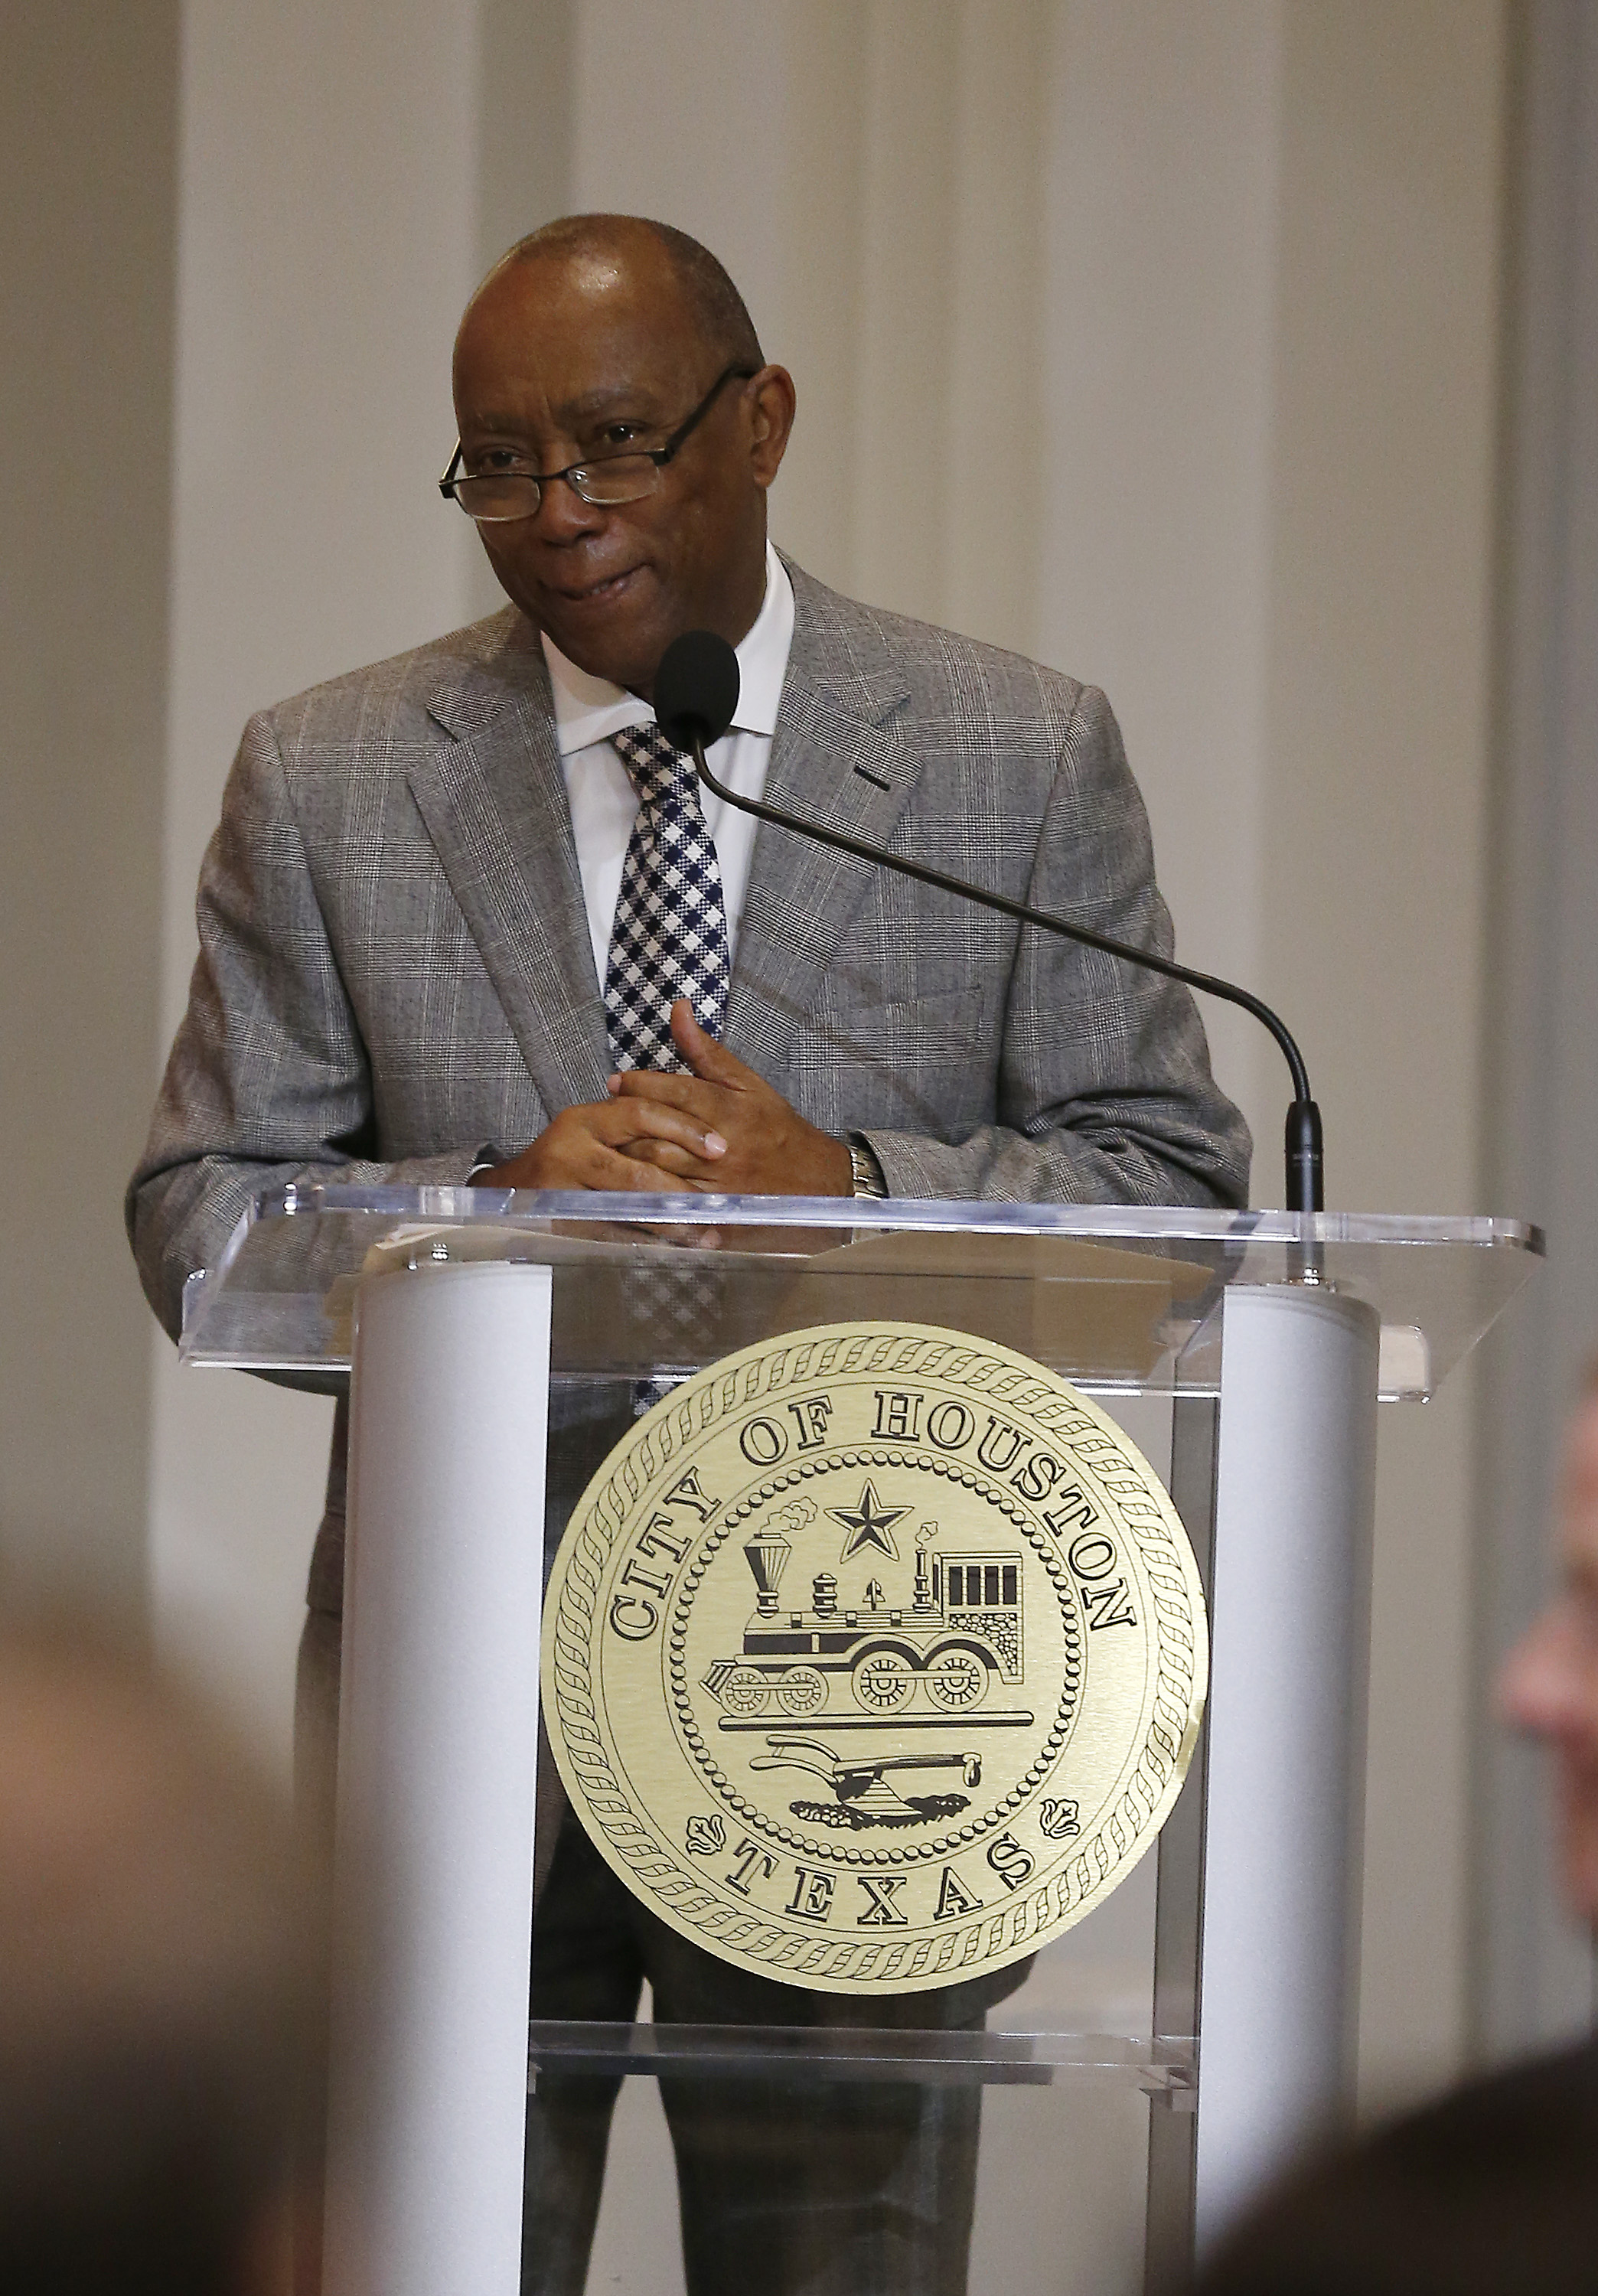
[[770, 398]]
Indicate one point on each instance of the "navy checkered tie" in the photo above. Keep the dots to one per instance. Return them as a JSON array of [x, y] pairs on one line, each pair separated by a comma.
[[669, 939]]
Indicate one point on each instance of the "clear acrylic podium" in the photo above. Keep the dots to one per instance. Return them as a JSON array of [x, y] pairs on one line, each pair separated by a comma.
[[1162, 2058]]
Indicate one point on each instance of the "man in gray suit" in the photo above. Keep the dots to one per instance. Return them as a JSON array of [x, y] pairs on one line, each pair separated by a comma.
[[414, 968]]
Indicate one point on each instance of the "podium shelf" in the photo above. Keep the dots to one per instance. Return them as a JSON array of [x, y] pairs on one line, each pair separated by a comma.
[[1121, 1298], [1165, 2067]]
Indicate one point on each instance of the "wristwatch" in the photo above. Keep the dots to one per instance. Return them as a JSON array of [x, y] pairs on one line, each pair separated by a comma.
[[869, 1179]]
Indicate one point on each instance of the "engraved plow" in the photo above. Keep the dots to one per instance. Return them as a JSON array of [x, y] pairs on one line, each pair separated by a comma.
[[862, 1796]]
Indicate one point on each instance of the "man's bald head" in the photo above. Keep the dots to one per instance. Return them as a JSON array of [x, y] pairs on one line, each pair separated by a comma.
[[606, 340], [720, 313]]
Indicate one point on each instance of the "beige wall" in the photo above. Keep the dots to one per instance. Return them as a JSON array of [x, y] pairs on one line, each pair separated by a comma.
[[1162, 214], [1379, 729], [1160, 338], [88, 104]]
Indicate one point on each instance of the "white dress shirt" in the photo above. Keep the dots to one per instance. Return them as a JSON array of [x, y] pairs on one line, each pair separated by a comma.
[[588, 710]]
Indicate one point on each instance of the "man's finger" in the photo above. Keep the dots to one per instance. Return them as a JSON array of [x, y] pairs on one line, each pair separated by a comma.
[[622, 1121], [667, 1157], [670, 1088], [703, 1054], [614, 1173]]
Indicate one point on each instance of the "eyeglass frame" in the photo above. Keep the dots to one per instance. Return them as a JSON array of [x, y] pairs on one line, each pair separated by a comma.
[[658, 455]]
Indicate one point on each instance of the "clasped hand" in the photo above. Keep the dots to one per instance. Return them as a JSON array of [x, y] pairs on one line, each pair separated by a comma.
[[720, 1127]]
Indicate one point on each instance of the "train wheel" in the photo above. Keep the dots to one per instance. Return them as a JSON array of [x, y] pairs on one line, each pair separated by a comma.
[[883, 1681], [746, 1691], [956, 1680], [801, 1690]]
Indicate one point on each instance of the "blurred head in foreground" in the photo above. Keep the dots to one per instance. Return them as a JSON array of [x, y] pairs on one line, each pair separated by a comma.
[[1549, 1686], [159, 1989]]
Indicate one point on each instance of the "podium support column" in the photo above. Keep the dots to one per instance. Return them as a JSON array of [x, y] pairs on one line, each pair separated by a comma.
[[1289, 1626], [438, 1751]]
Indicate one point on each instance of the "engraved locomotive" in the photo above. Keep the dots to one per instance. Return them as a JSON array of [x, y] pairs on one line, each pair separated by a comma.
[[960, 1633]]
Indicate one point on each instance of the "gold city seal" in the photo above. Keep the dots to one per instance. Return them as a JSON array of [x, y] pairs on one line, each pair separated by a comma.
[[874, 1657]]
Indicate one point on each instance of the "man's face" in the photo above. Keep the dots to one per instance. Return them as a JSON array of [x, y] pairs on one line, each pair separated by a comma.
[[1549, 1686], [566, 357]]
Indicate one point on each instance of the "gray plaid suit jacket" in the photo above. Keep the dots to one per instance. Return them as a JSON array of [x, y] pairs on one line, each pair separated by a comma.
[[394, 965]]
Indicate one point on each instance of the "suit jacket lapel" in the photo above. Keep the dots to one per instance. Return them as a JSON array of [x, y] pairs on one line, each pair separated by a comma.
[[493, 796], [837, 756]]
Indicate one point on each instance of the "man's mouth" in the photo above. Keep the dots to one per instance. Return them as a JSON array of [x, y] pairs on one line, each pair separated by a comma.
[[600, 593]]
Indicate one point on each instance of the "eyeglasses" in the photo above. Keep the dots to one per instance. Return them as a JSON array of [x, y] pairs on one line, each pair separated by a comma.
[[497, 497]]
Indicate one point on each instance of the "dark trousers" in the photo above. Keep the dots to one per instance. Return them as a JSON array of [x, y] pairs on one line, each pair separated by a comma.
[[807, 2187]]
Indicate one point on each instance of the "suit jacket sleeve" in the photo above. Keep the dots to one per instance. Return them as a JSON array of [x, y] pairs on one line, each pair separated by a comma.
[[1103, 1092], [267, 1080]]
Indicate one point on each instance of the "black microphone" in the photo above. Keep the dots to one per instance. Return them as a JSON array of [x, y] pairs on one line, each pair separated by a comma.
[[696, 694]]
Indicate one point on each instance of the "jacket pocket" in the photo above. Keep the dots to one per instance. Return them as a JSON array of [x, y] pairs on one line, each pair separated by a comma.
[[916, 1064]]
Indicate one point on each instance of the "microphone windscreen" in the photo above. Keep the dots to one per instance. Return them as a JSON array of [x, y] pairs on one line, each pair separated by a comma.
[[696, 688]]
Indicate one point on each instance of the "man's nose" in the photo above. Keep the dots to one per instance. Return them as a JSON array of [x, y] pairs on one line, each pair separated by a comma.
[[1543, 1687], [564, 516]]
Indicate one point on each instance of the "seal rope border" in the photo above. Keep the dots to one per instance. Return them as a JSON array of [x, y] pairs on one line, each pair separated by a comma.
[[996, 1373]]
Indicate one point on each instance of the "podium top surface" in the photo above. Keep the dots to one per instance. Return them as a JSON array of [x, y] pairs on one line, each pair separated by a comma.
[[1119, 1298]]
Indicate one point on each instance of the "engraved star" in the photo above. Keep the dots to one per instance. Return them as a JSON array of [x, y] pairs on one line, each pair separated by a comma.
[[869, 1524]]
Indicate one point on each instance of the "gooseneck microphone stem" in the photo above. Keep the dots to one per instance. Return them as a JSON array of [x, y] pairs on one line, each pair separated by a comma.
[[1305, 1186]]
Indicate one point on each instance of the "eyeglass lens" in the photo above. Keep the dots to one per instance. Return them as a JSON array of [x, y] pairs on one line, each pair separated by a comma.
[[498, 496]]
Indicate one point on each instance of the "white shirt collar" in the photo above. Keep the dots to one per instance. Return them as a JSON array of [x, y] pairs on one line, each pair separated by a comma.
[[589, 710]]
